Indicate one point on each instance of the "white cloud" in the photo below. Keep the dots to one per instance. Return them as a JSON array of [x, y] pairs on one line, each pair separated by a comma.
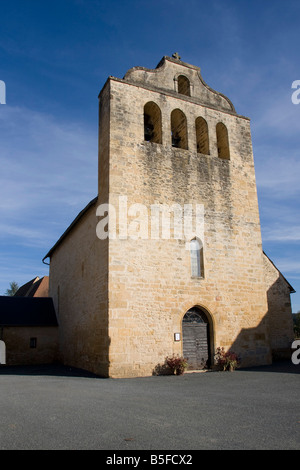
[[48, 169], [282, 234], [277, 170], [280, 115], [289, 265], [48, 174]]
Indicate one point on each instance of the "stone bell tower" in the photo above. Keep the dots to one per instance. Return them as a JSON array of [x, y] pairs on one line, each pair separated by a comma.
[[166, 139], [167, 258]]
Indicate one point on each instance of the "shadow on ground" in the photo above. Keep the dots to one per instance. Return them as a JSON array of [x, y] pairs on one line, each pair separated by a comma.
[[61, 370], [58, 370], [278, 366]]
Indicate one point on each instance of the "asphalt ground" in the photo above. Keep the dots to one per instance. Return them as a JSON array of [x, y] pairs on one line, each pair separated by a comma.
[[61, 408]]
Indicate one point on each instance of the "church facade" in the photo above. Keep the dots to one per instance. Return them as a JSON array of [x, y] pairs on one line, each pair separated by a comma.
[[168, 258]]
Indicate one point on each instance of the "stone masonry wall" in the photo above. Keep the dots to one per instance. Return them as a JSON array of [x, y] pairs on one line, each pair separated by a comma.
[[18, 350], [280, 322], [78, 286], [150, 284], [119, 300], [79, 275]]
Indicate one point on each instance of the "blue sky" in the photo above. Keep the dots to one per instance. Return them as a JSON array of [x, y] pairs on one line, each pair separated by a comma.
[[55, 56]]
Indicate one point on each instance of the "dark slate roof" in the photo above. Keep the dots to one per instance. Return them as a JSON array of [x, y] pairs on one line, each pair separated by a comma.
[[28, 288], [27, 311]]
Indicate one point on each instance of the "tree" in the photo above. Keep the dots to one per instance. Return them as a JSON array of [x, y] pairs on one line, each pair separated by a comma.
[[296, 321], [13, 289]]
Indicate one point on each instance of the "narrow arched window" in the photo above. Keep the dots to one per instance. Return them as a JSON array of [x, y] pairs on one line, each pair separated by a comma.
[[202, 136], [222, 141], [196, 252], [179, 129], [183, 85], [152, 123]]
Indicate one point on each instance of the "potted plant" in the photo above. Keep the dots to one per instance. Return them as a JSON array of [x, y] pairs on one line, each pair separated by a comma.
[[177, 364], [227, 360]]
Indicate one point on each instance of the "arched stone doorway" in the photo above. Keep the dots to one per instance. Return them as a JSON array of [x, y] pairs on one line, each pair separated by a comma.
[[196, 339]]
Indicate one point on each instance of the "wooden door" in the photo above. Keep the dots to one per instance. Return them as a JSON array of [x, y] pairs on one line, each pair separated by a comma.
[[195, 335]]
